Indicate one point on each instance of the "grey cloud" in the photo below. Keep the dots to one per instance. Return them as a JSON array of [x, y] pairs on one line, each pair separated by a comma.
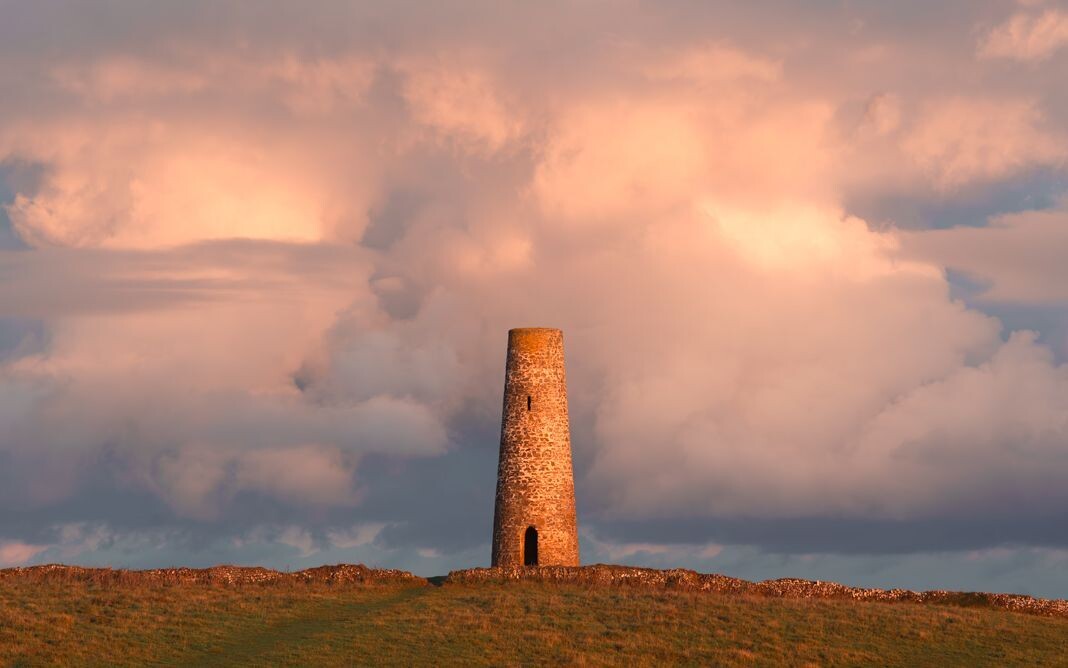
[[54, 282], [713, 398], [855, 536], [20, 337], [972, 207]]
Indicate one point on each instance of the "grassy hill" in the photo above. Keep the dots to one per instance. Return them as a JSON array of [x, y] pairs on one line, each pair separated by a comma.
[[77, 622]]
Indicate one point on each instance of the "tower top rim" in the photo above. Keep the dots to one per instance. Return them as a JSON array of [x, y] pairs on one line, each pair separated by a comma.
[[531, 339], [533, 330]]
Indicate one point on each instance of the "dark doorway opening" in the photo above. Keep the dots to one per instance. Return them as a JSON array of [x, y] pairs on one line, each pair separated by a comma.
[[530, 547], [528, 402]]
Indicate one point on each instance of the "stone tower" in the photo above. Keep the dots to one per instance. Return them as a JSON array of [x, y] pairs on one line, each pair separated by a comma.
[[534, 520]]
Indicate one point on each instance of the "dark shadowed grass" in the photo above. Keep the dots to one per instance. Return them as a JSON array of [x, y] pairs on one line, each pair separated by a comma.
[[502, 624]]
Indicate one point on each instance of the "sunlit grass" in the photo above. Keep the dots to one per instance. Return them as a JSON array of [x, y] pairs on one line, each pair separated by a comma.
[[500, 624]]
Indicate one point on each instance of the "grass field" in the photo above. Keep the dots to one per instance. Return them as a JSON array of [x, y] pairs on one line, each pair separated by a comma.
[[501, 624]]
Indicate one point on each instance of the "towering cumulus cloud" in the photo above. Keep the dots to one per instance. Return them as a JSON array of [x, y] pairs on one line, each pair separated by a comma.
[[257, 268]]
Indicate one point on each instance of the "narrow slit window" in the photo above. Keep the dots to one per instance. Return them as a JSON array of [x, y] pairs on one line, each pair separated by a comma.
[[530, 547], [528, 402]]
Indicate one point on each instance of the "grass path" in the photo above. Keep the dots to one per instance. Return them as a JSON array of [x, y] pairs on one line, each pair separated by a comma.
[[289, 641]]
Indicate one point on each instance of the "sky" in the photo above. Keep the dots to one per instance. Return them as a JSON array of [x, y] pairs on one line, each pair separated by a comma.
[[258, 261]]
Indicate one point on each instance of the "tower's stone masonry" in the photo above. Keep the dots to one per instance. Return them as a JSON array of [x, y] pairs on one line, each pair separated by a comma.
[[535, 483]]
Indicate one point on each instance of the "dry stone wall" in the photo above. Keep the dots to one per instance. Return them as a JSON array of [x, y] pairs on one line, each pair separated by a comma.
[[535, 483], [681, 579], [340, 574]]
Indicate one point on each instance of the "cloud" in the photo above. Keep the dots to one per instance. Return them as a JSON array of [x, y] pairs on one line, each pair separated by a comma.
[[17, 553], [960, 140], [306, 474], [298, 538], [173, 365], [307, 86], [361, 534], [714, 63], [134, 184], [1019, 257], [462, 105], [190, 481], [615, 156], [882, 114], [1027, 36], [199, 481], [267, 263], [622, 553], [64, 541]]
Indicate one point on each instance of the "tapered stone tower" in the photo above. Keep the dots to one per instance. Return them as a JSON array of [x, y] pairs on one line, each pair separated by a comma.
[[534, 521]]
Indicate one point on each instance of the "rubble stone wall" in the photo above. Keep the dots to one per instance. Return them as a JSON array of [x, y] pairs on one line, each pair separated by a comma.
[[681, 579], [341, 574], [535, 483]]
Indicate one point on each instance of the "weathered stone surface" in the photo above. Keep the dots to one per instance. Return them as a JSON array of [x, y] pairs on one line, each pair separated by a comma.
[[341, 574], [605, 575], [687, 580], [535, 484]]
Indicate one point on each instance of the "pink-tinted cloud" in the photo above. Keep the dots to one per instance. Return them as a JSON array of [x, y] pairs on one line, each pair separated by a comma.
[[17, 553], [275, 257], [957, 141], [305, 474], [1028, 36], [1019, 257]]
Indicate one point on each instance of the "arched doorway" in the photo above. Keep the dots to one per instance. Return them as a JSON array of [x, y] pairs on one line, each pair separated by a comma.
[[530, 547]]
